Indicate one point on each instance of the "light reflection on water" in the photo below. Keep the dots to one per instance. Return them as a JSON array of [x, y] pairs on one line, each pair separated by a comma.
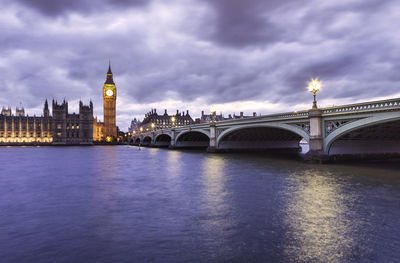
[[174, 164], [215, 205], [121, 204], [318, 218], [213, 181]]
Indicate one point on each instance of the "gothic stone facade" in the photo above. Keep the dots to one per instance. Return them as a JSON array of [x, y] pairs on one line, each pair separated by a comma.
[[61, 128], [21, 129], [72, 128]]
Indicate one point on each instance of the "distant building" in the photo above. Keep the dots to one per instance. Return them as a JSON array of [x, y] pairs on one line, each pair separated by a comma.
[[98, 130], [107, 131], [72, 128], [135, 126], [240, 116], [153, 121], [20, 112], [6, 112], [61, 128], [110, 132], [206, 118], [21, 129]]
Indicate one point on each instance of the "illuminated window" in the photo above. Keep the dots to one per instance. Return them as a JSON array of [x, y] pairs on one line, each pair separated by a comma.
[[58, 126], [59, 134]]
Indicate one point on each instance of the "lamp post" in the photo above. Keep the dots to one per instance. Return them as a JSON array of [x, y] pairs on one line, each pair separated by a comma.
[[173, 119], [212, 147], [313, 86], [213, 113]]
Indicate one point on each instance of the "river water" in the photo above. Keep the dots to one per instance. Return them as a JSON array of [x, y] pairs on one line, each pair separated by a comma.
[[121, 204]]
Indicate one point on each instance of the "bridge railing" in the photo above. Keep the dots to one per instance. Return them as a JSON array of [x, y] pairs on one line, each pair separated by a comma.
[[286, 115], [193, 126], [381, 105]]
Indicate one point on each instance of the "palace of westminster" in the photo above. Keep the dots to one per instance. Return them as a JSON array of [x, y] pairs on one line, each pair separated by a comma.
[[64, 128]]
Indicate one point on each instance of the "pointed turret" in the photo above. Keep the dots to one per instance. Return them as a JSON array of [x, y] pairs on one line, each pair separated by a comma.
[[109, 67], [46, 112], [109, 79]]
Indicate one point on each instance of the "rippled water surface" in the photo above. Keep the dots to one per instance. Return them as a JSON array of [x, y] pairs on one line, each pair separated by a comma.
[[119, 204]]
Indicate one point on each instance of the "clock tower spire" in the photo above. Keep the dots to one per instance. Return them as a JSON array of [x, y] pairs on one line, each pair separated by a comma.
[[109, 106]]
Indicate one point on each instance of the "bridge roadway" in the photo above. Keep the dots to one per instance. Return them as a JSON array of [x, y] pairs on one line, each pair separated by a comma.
[[362, 129]]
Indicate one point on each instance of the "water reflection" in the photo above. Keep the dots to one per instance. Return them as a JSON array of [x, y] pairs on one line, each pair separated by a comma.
[[213, 181], [318, 218], [216, 219], [121, 204], [174, 164], [107, 161], [153, 152]]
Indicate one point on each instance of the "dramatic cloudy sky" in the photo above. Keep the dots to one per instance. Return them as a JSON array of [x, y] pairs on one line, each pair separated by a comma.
[[236, 55]]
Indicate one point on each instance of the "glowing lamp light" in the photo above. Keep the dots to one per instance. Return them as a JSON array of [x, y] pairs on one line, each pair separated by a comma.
[[153, 125], [213, 111], [313, 86]]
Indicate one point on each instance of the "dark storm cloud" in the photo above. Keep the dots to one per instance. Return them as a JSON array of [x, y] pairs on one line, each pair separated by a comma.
[[57, 7], [241, 23], [198, 53]]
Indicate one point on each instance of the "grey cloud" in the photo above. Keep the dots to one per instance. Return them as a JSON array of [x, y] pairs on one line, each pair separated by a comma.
[[59, 7], [241, 23]]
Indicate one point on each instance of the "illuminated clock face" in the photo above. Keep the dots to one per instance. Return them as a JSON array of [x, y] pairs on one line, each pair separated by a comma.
[[109, 93]]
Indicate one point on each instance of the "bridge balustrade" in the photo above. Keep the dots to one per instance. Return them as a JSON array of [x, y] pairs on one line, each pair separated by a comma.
[[325, 129]]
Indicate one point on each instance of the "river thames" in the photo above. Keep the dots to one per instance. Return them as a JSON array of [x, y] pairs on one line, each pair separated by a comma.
[[121, 204]]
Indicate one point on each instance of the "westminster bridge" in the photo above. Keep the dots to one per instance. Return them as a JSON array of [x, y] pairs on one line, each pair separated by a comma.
[[362, 129]]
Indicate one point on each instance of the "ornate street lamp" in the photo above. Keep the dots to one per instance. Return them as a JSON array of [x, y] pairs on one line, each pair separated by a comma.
[[313, 86], [173, 119], [213, 113]]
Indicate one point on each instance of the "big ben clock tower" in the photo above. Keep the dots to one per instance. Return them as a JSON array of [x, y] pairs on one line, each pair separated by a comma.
[[109, 99]]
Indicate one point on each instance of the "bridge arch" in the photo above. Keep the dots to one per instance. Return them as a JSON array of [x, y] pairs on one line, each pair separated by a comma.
[[146, 141], [160, 135], [162, 140], [207, 133], [193, 139], [358, 125], [285, 128]]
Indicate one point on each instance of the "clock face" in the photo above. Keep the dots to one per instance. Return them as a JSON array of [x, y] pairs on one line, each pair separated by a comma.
[[109, 93]]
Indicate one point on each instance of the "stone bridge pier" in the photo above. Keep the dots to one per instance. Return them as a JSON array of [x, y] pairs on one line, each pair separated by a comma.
[[316, 142]]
